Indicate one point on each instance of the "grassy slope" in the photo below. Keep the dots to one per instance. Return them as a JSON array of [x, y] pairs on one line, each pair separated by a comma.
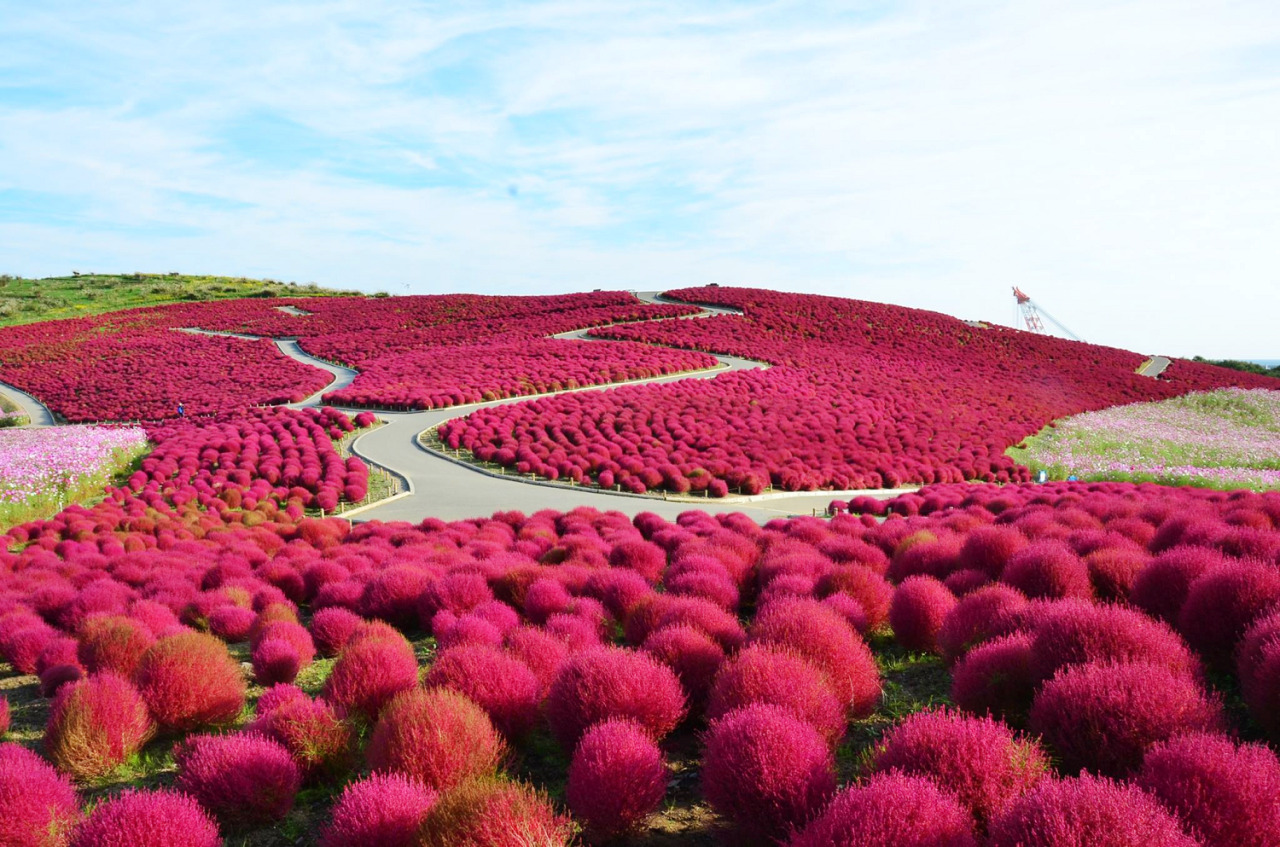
[[25, 301]]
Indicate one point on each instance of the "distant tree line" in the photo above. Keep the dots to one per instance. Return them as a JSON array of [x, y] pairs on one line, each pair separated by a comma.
[[1237, 365]]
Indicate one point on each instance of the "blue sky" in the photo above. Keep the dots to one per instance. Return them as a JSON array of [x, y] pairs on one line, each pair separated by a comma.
[[1118, 160]]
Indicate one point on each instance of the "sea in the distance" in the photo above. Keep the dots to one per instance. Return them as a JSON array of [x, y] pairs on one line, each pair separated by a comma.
[[1266, 363]]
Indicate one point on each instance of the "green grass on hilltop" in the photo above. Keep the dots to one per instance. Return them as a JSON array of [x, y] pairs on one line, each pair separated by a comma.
[[29, 300]]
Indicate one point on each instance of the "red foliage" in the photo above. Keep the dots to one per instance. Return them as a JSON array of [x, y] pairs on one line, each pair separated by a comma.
[[495, 813], [370, 672], [246, 780], [1103, 717], [766, 771], [972, 620], [763, 674], [37, 805], [332, 628], [1077, 634], [437, 737], [920, 604], [162, 818], [1087, 810], [617, 778], [692, 654], [189, 681], [1048, 569], [498, 683], [113, 643], [385, 810], [318, 739], [611, 682], [891, 810], [1221, 605], [95, 725], [995, 678]]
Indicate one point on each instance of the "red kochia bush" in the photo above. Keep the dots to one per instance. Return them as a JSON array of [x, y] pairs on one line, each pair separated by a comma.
[[691, 653], [332, 627], [980, 760], [891, 810], [1221, 605], [437, 737], [820, 635], [920, 604], [37, 805], [189, 680], [370, 672], [1224, 794], [616, 778], [246, 779], [766, 771], [541, 652], [385, 810], [275, 660], [490, 812], [610, 682], [972, 620], [1103, 717], [872, 591], [113, 643], [1161, 587], [1086, 812], [644, 557], [318, 739], [764, 674], [4, 716], [995, 678], [1076, 634], [989, 548], [498, 683], [1048, 569], [96, 724], [161, 818]]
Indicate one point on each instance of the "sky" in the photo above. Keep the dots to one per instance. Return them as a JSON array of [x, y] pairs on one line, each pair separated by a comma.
[[1119, 161]]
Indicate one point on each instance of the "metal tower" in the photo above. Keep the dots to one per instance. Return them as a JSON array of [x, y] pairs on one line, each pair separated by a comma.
[[1031, 314]]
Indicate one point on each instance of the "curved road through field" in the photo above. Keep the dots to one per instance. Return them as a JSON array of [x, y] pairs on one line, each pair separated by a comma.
[[37, 413]]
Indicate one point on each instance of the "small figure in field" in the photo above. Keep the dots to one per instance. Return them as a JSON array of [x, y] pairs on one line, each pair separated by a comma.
[[182, 410]]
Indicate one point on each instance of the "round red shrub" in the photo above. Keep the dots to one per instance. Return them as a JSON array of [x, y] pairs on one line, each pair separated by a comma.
[[611, 682], [766, 771], [972, 620], [617, 778], [891, 810], [38, 806], [872, 591], [644, 557], [96, 724], [113, 643], [232, 623], [437, 737], [490, 812], [1223, 603], [393, 595], [1161, 587], [544, 598], [370, 672], [920, 604], [541, 652], [989, 548], [246, 779], [1049, 569], [1103, 717], [995, 678], [275, 660], [978, 759], [1077, 634], [385, 810], [1113, 570], [331, 629], [1260, 635], [765, 674], [1086, 811], [1223, 793], [162, 818], [692, 654], [819, 635], [498, 683], [321, 742], [189, 681], [4, 716]]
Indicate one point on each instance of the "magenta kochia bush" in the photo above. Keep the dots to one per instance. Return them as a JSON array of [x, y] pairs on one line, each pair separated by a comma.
[[1048, 569], [161, 818], [37, 805], [820, 635], [331, 628], [370, 672], [692, 654], [995, 678], [1086, 812], [384, 810], [891, 810], [96, 724], [616, 778], [498, 683], [321, 742], [764, 674], [1103, 717], [1221, 605], [1076, 634], [113, 643], [189, 681], [1224, 794], [980, 760], [611, 682], [247, 780], [766, 771], [437, 737], [920, 604], [1161, 587], [972, 620]]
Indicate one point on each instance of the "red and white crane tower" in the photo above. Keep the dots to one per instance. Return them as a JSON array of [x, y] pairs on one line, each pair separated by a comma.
[[1032, 315]]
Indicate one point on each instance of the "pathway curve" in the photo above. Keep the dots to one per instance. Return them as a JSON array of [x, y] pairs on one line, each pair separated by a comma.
[[37, 413], [1155, 366]]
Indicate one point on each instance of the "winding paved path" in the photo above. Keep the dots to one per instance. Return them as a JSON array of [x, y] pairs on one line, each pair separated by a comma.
[[37, 412], [1155, 366]]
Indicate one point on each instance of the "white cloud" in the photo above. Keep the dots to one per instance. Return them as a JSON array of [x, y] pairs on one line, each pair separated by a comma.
[[1116, 159]]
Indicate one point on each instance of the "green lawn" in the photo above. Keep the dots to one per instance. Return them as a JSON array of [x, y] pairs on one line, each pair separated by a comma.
[[29, 300]]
